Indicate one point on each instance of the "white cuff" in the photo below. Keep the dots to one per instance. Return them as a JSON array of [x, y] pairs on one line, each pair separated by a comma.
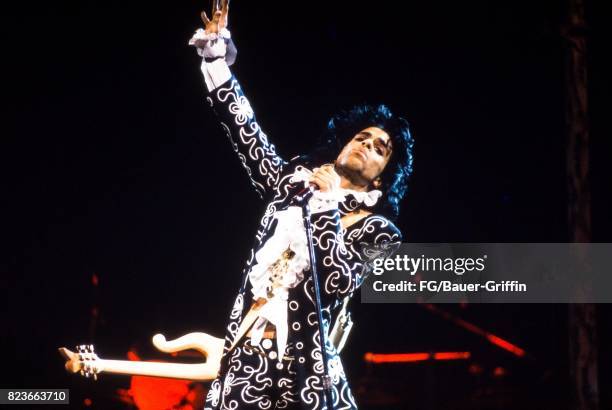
[[215, 73]]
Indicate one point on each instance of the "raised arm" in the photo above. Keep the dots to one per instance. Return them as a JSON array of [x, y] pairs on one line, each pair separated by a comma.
[[257, 155]]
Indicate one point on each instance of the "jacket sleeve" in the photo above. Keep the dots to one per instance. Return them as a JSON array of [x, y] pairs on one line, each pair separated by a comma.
[[343, 261], [257, 155]]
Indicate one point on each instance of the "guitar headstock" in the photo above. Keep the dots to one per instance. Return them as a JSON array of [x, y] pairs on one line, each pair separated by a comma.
[[83, 361]]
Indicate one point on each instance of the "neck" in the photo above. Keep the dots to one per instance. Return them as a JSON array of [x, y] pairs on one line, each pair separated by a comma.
[[348, 181]]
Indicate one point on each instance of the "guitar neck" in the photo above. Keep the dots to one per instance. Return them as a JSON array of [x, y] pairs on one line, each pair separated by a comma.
[[198, 372], [86, 362]]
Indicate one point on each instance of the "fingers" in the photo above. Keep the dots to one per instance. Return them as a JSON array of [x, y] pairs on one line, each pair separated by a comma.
[[212, 26], [323, 183], [216, 17], [326, 178], [219, 17], [223, 20], [329, 171], [329, 168], [225, 7], [204, 18]]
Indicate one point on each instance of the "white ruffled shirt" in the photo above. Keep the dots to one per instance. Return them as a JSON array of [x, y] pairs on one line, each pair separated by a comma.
[[290, 234]]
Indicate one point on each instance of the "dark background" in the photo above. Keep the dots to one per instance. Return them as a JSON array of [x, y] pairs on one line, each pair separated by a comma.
[[113, 165]]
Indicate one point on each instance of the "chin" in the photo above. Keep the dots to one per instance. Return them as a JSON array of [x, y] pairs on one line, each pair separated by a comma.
[[353, 163]]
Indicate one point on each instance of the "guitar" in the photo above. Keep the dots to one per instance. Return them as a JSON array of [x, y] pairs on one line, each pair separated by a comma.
[[88, 364]]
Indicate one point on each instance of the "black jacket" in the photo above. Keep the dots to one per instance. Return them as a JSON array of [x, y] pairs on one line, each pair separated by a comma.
[[339, 252]]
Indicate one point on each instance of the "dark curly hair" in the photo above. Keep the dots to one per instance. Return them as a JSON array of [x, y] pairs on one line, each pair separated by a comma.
[[343, 126]]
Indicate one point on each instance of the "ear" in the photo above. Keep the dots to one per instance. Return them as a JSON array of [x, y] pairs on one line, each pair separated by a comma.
[[377, 183]]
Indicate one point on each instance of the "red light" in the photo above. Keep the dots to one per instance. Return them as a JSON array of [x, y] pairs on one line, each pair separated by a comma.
[[87, 402], [153, 393], [496, 340], [451, 355], [132, 355], [499, 371], [504, 344], [378, 358]]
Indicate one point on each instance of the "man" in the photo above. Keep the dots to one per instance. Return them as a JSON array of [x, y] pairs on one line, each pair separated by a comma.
[[272, 354]]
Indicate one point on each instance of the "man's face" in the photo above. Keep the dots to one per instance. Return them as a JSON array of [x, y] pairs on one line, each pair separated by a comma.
[[364, 157]]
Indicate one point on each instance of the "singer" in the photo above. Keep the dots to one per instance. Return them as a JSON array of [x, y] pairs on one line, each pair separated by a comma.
[[272, 356]]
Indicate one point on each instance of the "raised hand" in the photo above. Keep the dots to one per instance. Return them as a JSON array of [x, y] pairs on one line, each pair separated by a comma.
[[219, 20], [214, 41]]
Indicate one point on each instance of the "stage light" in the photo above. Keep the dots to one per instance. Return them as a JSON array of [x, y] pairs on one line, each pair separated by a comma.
[[378, 358]]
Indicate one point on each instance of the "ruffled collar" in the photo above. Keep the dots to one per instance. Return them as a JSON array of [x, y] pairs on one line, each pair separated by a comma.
[[356, 199]]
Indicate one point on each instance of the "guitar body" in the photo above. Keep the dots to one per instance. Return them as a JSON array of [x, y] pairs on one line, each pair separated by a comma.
[[86, 362]]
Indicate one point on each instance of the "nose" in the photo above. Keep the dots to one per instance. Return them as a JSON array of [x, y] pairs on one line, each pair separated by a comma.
[[367, 143]]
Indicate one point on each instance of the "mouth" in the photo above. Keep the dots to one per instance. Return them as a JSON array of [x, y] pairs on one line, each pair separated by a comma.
[[360, 153]]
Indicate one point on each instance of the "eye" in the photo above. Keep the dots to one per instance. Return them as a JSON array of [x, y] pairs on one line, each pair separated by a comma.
[[379, 151]]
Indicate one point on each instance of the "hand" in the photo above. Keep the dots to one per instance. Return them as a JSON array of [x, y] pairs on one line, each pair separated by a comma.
[[214, 41], [326, 178], [219, 21]]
